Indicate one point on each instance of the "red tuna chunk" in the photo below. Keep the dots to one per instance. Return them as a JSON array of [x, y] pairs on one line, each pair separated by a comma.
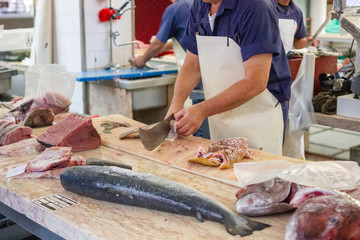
[[75, 131]]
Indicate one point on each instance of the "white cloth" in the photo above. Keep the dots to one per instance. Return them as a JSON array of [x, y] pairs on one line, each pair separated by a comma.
[[212, 21], [41, 51], [260, 119], [179, 53], [287, 29]]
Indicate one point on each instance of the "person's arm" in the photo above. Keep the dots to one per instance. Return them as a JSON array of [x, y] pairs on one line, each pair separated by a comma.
[[168, 46], [188, 77], [152, 51], [301, 43], [257, 69]]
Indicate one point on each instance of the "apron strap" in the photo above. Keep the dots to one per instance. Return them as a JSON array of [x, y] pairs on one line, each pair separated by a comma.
[[228, 32]]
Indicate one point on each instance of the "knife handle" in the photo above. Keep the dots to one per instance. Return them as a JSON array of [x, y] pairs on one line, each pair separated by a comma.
[[125, 134]]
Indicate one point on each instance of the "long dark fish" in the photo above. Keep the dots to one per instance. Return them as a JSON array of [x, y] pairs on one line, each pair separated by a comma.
[[146, 190]]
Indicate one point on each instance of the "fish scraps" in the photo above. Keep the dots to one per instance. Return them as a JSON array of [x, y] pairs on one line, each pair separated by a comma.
[[109, 125]]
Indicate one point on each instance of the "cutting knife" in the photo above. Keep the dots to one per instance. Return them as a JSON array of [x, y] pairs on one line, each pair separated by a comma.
[[153, 135], [328, 17]]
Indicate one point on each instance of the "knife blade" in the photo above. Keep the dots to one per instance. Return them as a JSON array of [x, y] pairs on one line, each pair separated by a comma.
[[153, 135], [328, 18]]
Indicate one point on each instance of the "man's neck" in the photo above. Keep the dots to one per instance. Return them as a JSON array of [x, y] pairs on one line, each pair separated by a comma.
[[215, 4], [284, 2]]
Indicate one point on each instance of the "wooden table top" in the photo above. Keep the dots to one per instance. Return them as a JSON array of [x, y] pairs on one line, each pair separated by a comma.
[[94, 219]]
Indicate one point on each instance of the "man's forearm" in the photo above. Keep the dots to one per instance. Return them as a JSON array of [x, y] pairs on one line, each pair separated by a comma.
[[300, 43], [187, 79], [153, 50]]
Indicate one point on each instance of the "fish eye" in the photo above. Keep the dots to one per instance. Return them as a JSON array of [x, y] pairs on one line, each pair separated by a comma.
[[333, 220]]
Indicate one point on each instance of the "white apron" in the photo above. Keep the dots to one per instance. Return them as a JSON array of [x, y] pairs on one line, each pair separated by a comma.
[[258, 119], [179, 53], [287, 29]]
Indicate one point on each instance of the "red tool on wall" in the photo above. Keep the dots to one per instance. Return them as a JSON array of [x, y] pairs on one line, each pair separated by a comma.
[[106, 14]]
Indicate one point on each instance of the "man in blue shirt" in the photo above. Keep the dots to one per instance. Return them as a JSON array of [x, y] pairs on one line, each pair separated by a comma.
[[235, 47], [173, 25], [291, 25]]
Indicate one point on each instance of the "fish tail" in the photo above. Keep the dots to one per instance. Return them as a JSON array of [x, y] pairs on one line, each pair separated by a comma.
[[257, 226], [245, 229]]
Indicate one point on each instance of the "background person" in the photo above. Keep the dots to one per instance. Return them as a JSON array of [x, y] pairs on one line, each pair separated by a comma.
[[291, 25]]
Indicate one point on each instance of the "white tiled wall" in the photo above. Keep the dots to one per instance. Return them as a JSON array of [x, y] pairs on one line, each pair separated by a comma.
[[66, 33], [67, 39], [98, 35]]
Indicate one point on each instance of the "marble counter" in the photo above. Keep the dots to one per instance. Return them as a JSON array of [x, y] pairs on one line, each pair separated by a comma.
[[94, 219]]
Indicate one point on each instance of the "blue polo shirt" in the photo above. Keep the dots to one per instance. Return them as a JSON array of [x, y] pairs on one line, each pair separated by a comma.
[[295, 13], [253, 25], [174, 21]]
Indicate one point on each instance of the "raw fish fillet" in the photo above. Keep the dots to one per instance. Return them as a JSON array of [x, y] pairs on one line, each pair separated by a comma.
[[75, 131], [223, 153], [55, 172], [49, 159], [10, 132], [22, 148]]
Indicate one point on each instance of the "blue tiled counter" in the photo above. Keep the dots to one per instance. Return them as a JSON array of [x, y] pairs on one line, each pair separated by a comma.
[[142, 94]]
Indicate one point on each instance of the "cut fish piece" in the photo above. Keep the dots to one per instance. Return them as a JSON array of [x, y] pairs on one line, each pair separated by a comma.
[[39, 117], [223, 153], [13, 133], [49, 159], [22, 148], [75, 131]]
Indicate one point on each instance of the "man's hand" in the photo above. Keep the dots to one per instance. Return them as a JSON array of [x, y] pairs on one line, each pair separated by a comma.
[[139, 62], [152, 51], [189, 120], [314, 43]]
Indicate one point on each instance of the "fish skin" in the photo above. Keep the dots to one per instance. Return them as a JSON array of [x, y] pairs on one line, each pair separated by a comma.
[[99, 162], [264, 198], [146, 190], [323, 218], [39, 117]]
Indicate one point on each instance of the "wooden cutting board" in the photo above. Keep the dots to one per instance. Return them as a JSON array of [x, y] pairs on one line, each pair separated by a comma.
[[175, 153]]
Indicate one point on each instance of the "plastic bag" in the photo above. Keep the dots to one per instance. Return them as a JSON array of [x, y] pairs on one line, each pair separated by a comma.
[[1, 30], [301, 110], [48, 78], [340, 175], [48, 90], [333, 26]]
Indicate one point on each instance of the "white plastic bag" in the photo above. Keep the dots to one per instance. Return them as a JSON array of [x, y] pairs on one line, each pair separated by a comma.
[[1, 30], [42, 79], [301, 110], [340, 175]]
